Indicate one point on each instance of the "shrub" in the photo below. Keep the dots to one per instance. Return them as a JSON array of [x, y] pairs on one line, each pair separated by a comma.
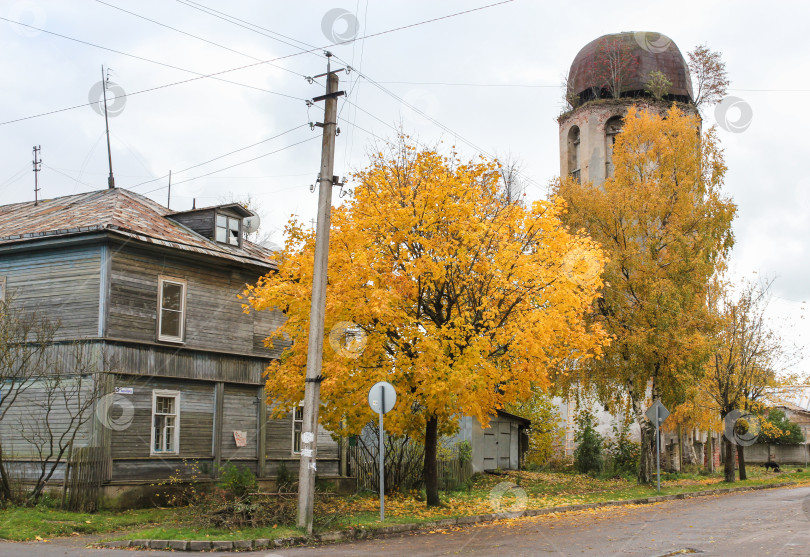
[[623, 453], [777, 429], [588, 454], [238, 481], [464, 451]]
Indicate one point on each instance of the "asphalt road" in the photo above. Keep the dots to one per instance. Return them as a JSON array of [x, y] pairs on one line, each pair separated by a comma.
[[768, 522]]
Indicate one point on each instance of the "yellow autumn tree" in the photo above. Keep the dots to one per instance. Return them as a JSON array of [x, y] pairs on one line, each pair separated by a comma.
[[748, 359], [460, 299], [665, 225]]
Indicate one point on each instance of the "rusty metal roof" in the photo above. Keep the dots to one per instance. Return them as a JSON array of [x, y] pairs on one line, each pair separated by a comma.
[[121, 212], [644, 51]]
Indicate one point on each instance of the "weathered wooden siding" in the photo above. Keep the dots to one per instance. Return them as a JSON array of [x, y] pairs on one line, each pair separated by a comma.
[[169, 361], [279, 448], [240, 413], [214, 317], [64, 284], [131, 440], [24, 429], [202, 222]]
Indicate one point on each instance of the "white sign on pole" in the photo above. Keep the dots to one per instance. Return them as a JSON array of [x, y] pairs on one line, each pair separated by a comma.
[[381, 398]]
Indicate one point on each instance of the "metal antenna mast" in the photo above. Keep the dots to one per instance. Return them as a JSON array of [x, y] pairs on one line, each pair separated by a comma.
[[37, 168], [104, 78]]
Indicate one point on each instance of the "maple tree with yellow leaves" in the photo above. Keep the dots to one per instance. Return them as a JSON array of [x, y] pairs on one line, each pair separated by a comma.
[[464, 299], [665, 225]]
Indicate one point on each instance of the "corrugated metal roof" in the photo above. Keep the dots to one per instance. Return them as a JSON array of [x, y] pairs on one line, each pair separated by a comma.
[[121, 212]]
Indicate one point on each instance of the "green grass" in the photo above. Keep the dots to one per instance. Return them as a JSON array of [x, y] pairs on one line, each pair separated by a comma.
[[180, 532], [360, 511], [27, 523]]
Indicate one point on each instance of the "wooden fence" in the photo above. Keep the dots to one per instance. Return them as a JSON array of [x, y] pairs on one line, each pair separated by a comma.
[[86, 471]]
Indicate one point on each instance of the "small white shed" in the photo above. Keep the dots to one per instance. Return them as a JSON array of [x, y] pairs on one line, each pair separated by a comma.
[[501, 445]]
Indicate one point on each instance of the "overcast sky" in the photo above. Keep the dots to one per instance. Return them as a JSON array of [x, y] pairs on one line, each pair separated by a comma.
[[489, 80]]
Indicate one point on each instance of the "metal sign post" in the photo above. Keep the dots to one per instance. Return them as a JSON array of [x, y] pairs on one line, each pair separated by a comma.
[[657, 413], [381, 398]]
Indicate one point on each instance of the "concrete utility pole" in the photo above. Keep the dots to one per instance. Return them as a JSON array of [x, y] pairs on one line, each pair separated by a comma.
[[312, 388]]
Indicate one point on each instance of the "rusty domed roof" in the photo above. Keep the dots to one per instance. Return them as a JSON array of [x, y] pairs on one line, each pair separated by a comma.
[[626, 59]]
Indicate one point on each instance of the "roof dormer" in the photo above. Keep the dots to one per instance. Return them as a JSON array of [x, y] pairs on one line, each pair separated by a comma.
[[221, 224]]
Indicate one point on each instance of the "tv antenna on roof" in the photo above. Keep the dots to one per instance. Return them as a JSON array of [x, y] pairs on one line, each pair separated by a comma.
[[105, 78], [37, 168]]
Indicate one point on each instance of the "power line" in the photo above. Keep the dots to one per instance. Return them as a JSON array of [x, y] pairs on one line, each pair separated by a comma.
[[178, 30], [436, 122], [69, 176], [220, 156], [451, 84], [234, 165], [269, 33], [158, 87], [213, 74], [164, 64], [447, 129]]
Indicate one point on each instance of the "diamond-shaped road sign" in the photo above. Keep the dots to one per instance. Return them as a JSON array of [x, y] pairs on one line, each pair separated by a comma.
[[657, 409]]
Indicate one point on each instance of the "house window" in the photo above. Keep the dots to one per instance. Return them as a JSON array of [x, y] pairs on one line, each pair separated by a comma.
[[171, 316], [297, 426], [165, 422], [227, 230]]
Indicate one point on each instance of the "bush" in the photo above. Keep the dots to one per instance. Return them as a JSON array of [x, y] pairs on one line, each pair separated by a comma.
[[623, 453], [238, 481], [464, 451], [777, 429], [588, 454]]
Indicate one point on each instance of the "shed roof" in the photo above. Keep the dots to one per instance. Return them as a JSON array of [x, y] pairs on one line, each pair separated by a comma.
[[120, 212]]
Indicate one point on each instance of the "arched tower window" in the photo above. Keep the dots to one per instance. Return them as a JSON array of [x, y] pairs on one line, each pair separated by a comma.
[[612, 127], [573, 152]]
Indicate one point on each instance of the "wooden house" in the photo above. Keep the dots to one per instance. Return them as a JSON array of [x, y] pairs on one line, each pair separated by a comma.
[[155, 293]]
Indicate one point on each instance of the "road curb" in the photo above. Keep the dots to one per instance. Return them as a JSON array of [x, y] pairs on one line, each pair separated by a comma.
[[384, 531]]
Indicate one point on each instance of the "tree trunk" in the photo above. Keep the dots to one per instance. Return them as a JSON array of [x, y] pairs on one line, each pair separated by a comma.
[[431, 472], [710, 445], [741, 459], [646, 469], [728, 460], [5, 484]]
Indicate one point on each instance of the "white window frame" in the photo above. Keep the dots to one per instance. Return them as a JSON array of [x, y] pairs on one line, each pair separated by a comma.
[[297, 434], [175, 448], [170, 338], [2, 289], [228, 220]]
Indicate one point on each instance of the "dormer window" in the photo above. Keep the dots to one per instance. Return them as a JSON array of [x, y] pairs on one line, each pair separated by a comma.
[[227, 230]]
